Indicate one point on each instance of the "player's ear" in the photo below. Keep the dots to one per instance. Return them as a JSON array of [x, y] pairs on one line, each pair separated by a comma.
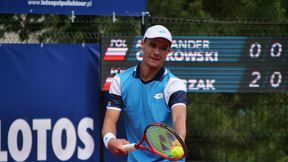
[[142, 43], [169, 50]]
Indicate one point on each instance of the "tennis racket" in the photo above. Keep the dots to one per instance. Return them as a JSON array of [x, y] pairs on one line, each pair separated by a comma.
[[160, 140]]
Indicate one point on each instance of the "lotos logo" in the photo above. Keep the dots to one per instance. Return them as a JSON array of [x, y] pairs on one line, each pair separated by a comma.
[[116, 51], [22, 134]]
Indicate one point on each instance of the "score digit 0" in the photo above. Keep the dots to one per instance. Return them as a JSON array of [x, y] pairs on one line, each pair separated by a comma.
[[255, 50]]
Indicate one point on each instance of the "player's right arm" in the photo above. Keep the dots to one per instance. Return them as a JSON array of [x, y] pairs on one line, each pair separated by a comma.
[[109, 128], [114, 106]]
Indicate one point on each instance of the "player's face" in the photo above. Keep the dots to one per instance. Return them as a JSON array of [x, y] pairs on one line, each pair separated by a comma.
[[155, 52]]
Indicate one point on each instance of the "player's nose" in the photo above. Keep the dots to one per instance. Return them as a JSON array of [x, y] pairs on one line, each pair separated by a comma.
[[156, 51]]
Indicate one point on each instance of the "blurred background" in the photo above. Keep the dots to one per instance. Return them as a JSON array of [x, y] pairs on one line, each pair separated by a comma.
[[237, 127]]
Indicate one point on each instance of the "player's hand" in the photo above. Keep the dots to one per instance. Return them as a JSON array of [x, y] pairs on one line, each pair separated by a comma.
[[182, 137], [116, 146]]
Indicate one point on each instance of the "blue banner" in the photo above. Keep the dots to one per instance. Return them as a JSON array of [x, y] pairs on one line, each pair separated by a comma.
[[77, 7], [49, 102]]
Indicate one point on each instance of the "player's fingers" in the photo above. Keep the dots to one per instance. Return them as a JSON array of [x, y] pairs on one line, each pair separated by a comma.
[[124, 151], [116, 146], [120, 152], [124, 141]]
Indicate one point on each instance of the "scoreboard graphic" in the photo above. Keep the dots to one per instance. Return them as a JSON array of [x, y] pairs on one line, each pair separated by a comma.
[[209, 63]]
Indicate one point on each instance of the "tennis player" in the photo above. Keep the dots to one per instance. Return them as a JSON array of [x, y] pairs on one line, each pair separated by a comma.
[[145, 93]]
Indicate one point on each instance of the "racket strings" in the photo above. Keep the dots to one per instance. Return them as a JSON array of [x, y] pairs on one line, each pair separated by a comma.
[[162, 140]]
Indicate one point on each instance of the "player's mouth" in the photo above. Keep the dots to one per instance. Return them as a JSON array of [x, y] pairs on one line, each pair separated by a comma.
[[156, 59]]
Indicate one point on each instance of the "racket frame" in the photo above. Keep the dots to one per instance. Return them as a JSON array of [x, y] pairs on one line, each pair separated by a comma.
[[152, 149]]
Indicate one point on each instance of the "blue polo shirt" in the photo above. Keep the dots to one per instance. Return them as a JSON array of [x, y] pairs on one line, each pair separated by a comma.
[[144, 103]]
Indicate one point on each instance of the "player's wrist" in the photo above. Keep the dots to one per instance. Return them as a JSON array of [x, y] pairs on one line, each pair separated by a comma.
[[107, 137]]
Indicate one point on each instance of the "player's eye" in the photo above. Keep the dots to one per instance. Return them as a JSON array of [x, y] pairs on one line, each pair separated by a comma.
[[164, 49], [151, 45]]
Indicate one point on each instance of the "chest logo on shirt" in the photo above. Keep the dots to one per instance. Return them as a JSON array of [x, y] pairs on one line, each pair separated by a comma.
[[158, 96]]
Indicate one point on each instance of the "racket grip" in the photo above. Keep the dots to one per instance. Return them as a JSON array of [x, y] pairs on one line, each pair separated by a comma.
[[129, 147]]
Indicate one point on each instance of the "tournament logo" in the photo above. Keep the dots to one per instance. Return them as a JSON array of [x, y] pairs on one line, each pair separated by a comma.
[[116, 51]]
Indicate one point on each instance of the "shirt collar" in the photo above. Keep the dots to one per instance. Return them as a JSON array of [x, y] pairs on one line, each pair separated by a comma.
[[158, 76]]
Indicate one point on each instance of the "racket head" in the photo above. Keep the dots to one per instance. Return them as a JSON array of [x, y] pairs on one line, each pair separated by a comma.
[[162, 139]]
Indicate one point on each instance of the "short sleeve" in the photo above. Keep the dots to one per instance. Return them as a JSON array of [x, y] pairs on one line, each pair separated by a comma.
[[175, 92], [115, 99]]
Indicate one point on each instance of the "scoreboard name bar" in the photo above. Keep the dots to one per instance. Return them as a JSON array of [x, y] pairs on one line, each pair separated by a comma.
[[208, 64]]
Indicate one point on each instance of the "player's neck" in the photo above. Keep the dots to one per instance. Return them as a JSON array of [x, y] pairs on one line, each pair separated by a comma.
[[147, 74]]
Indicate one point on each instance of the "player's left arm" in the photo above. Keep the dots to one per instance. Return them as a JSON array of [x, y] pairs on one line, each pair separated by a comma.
[[176, 95], [179, 115]]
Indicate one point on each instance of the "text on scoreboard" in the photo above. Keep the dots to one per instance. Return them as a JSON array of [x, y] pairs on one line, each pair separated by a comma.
[[209, 63]]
